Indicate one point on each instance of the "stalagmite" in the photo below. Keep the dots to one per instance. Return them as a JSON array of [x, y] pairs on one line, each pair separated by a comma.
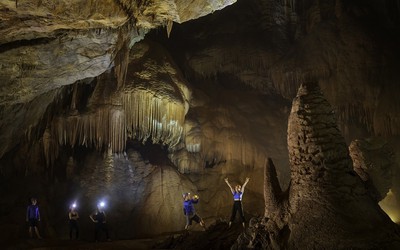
[[323, 183], [273, 195], [328, 205]]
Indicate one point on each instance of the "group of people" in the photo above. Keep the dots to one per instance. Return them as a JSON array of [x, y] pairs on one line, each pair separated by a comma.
[[191, 215], [98, 217]]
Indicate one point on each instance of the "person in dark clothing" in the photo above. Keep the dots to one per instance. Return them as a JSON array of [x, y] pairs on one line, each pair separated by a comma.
[[73, 221], [99, 219], [237, 197], [33, 217], [190, 212]]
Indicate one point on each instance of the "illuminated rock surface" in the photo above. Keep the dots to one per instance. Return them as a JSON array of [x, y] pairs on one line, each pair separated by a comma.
[[326, 206], [374, 162], [137, 101]]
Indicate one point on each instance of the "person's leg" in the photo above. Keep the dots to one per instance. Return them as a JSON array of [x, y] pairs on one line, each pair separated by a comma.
[[202, 223], [32, 224], [77, 231], [70, 230], [37, 232], [199, 220], [105, 229], [240, 209], [188, 222], [74, 226], [96, 231], [234, 209]]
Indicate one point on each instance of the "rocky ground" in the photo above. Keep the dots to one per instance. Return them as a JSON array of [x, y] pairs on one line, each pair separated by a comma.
[[216, 236]]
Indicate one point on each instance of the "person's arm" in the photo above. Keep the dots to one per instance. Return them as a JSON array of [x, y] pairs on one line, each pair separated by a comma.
[[244, 184], [105, 217], [38, 213], [91, 217], [229, 185], [74, 216]]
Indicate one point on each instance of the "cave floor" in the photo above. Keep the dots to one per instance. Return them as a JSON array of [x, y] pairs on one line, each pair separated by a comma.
[[81, 244], [217, 236]]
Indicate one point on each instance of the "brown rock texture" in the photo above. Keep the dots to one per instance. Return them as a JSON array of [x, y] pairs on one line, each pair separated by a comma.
[[143, 198], [46, 45], [328, 206], [76, 77], [374, 161]]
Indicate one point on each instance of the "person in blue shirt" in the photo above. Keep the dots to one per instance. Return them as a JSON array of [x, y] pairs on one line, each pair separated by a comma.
[[33, 217], [237, 200], [190, 212]]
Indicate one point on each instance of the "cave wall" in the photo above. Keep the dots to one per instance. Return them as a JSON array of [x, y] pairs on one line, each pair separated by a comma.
[[348, 47], [224, 87]]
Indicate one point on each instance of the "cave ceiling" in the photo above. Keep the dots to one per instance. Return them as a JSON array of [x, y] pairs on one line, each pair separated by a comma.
[[211, 81], [270, 47], [49, 44]]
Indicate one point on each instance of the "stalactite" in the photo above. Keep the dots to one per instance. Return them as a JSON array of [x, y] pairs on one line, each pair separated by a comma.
[[169, 27], [99, 129], [74, 99], [150, 116], [50, 148], [121, 62], [142, 115]]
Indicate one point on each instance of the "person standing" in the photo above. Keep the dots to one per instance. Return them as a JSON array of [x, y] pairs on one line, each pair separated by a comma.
[[73, 222], [237, 200], [100, 222], [33, 217], [190, 212]]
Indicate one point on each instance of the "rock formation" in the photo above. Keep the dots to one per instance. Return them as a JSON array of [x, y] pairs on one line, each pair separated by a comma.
[[326, 205], [374, 162], [49, 44], [83, 80]]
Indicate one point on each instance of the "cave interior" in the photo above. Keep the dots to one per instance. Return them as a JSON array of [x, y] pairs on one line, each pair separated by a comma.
[[135, 103]]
